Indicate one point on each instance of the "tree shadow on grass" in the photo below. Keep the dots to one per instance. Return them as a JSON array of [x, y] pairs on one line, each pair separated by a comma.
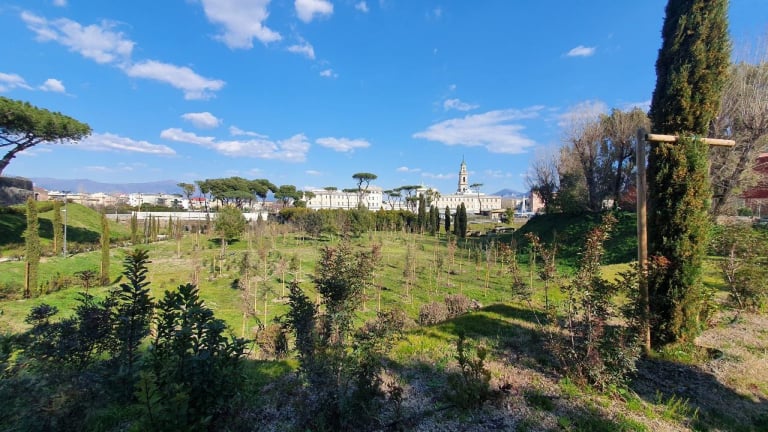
[[710, 404]]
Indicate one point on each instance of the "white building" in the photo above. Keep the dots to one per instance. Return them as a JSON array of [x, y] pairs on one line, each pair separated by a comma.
[[474, 201], [336, 199]]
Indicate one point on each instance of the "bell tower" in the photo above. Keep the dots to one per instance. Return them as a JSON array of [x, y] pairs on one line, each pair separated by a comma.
[[463, 178]]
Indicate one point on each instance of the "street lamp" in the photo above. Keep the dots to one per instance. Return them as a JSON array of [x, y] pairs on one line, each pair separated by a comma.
[[65, 223]]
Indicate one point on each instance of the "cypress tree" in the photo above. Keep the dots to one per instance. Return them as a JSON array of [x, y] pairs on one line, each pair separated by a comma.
[[58, 228], [691, 70], [134, 229], [104, 250], [421, 216], [447, 219], [462, 220], [32, 243], [456, 221]]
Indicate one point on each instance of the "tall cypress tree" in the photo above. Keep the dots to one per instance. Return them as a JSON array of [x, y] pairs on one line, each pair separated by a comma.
[[691, 71], [461, 220], [58, 228], [104, 250], [447, 220], [32, 243]]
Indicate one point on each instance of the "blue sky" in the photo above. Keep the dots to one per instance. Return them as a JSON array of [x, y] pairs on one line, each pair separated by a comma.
[[309, 92]]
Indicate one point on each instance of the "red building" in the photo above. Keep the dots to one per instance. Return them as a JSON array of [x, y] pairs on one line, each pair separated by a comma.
[[756, 197]]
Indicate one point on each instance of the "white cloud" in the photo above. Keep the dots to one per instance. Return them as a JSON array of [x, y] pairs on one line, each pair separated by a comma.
[[242, 20], [293, 149], [193, 85], [11, 81], [437, 13], [493, 130], [303, 48], [203, 120], [497, 174], [328, 73], [306, 10], [644, 105], [408, 170], [53, 85], [582, 113], [438, 176], [362, 6], [103, 45], [452, 87], [236, 131], [96, 42], [342, 144], [112, 142], [60, 3], [457, 104], [179, 135], [581, 51], [313, 172]]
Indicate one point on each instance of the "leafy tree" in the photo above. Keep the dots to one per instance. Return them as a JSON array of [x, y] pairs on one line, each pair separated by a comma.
[[187, 189], [229, 225], [32, 246], [104, 277], [364, 180], [287, 194], [691, 70], [23, 126]]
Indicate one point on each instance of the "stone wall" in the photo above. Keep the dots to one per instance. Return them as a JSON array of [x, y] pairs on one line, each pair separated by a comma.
[[15, 190]]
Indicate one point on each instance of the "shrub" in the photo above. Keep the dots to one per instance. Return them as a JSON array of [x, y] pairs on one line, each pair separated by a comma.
[[457, 304], [470, 388], [589, 348], [433, 313], [272, 341]]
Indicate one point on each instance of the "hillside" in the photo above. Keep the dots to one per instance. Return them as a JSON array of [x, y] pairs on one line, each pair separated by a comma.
[[83, 226]]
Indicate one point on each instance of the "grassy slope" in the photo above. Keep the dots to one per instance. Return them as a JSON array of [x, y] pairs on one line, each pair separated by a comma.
[[540, 399], [83, 226]]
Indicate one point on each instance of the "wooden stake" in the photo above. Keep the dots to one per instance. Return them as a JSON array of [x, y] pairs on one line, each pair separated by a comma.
[[642, 241]]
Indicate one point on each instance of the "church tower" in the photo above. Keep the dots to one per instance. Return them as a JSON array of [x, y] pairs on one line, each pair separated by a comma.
[[463, 178]]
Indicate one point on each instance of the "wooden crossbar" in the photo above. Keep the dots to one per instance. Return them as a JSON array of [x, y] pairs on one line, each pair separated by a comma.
[[674, 138]]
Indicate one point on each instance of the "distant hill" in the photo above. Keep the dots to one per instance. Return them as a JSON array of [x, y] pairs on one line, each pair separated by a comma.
[[509, 193], [90, 186]]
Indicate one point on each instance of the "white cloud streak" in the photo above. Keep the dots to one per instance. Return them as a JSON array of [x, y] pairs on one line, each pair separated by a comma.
[[582, 113], [405, 169], [183, 78], [103, 45], [342, 145], [581, 51], [112, 142], [328, 73], [497, 131], [362, 7], [293, 149], [306, 10], [11, 81], [96, 42], [457, 104], [202, 120], [60, 3], [243, 20], [53, 85], [304, 48]]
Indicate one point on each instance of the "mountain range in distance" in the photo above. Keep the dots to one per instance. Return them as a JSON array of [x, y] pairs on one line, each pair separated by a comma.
[[90, 186], [162, 186]]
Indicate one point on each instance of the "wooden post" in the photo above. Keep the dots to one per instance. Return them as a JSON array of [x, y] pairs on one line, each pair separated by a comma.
[[642, 241]]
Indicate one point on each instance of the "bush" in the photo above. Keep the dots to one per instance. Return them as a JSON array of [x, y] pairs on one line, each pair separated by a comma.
[[457, 304], [433, 313], [272, 341], [470, 388]]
